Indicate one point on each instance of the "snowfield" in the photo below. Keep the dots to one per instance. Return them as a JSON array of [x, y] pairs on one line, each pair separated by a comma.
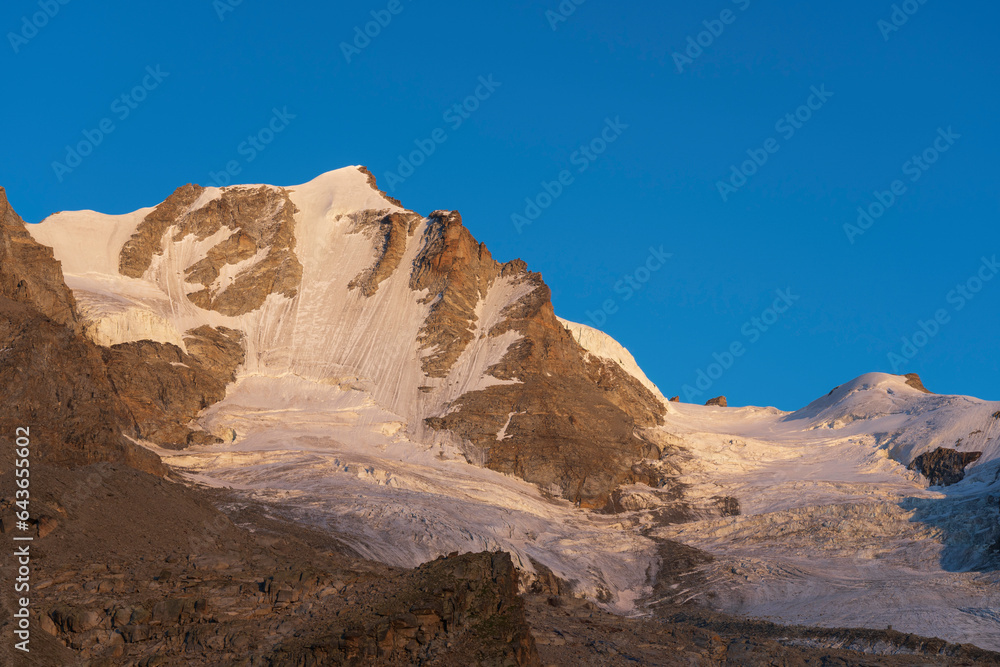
[[326, 419]]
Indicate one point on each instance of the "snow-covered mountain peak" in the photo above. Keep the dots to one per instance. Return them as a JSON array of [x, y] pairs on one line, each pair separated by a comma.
[[871, 394]]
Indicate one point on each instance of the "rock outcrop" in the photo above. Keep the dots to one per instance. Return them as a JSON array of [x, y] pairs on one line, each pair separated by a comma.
[[140, 571], [913, 380], [944, 467], [259, 240], [165, 388], [719, 401], [390, 233], [571, 418]]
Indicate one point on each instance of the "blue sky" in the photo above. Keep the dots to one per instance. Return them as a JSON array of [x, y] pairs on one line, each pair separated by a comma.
[[212, 74]]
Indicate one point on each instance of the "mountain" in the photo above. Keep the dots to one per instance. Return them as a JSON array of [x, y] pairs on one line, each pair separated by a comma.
[[336, 285], [374, 374]]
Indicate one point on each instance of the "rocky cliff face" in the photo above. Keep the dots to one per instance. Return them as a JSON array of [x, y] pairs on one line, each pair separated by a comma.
[[566, 419], [251, 232], [29, 274], [165, 388]]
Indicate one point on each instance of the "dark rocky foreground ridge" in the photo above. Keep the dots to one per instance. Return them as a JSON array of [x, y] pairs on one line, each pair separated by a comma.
[[131, 567]]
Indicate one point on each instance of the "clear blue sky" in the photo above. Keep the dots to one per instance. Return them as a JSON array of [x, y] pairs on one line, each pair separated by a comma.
[[655, 185]]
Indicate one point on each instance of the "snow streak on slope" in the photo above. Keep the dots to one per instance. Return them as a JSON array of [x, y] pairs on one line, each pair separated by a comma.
[[835, 530]]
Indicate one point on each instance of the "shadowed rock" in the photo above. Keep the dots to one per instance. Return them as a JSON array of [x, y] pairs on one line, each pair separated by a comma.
[[944, 467], [165, 388]]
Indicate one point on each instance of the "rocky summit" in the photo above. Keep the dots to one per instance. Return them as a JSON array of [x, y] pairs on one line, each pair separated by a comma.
[[305, 425]]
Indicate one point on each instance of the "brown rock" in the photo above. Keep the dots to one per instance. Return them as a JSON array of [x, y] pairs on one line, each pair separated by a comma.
[[137, 253], [913, 380], [258, 218], [29, 273], [56, 384], [374, 186], [390, 234], [45, 525], [166, 388], [719, 401]]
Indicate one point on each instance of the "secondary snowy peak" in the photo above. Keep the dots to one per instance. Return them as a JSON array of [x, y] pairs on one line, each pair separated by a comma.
[[905, 417], [334, 282]]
